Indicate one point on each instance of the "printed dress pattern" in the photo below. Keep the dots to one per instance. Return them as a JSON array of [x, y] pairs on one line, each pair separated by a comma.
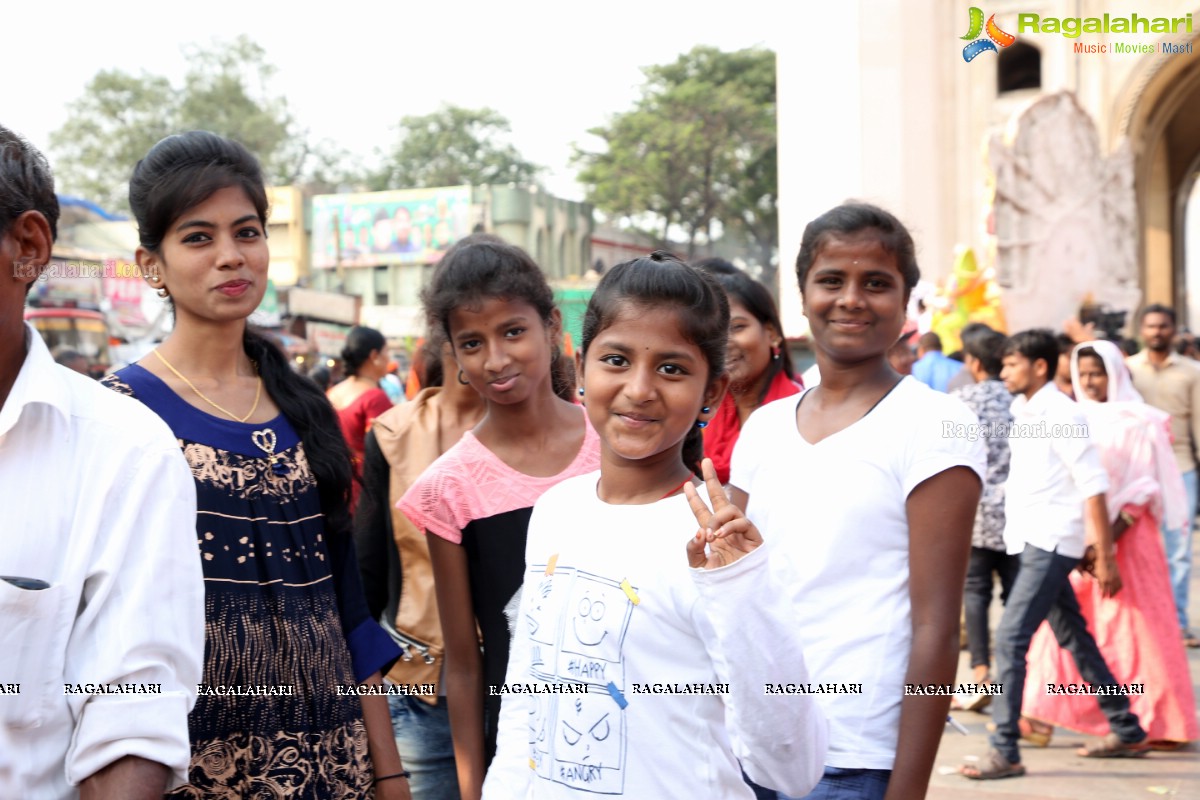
[[577, 624], [275, 616]]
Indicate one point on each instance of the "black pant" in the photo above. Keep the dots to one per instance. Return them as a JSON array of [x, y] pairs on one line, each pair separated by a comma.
[[978, 596], [1043, 592]]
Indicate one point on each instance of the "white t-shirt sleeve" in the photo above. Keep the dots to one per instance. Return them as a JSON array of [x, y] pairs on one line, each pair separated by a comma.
[[935, 446], [743, 616]]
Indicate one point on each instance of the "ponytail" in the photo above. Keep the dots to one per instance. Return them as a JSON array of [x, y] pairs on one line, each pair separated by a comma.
[[693, 450], [316, 423]]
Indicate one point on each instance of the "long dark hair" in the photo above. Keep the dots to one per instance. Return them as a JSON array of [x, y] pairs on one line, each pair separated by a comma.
[[182, 171], [755, 298], [482, 266], [662, 280]]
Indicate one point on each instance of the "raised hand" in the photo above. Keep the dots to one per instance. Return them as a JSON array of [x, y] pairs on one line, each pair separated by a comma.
[[726, 531]]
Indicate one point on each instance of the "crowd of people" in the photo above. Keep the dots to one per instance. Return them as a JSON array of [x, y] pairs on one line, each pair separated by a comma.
[[1085, 525], [673, 568]]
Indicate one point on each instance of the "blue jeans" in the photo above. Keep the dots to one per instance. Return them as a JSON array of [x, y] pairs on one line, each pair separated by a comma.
[[1043, 591], [1178, 544], [423, 739], [848, 784]]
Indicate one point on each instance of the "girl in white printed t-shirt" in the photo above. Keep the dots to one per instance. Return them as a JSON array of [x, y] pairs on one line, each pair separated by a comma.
[[644, 647], [879, 554]]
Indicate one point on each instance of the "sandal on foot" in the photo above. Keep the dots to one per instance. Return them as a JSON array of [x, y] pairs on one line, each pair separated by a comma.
[[1167, 746], [1111, 746], [992, 767], [1038, 734]]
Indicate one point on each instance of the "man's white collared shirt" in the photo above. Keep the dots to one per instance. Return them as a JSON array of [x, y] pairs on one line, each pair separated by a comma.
[[1054, 468], [97, 501]]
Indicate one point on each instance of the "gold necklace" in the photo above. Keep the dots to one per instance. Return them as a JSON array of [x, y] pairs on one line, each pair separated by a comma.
[[201, 395]]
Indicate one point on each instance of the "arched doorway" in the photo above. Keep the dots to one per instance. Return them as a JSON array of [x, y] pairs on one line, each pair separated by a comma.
[[1158, 111]]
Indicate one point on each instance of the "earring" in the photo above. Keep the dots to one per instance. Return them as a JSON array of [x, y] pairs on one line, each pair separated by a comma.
[[774, 352], [460, 379], [581, 391], [706, 410], [163, 292], [703, 423]]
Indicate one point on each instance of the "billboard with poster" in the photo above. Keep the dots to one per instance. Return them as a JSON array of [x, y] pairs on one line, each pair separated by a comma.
[[406, 226]]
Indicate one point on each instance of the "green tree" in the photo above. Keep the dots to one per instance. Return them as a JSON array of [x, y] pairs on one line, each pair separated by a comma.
[[226, 91], [120, 116], [117, 119], [696, 151], [453, 146]]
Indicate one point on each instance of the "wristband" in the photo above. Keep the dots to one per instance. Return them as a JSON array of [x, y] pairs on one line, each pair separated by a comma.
[[401, 774]]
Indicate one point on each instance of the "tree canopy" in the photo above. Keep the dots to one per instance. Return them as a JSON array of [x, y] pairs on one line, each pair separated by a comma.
[[120, 116], [453, 146], [697, 151]]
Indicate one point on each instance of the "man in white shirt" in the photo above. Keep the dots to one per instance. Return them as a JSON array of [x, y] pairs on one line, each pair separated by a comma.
[[1056, 487], [101, 592]]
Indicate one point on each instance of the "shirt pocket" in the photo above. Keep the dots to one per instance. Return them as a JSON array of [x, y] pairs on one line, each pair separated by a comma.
[[33, 637]]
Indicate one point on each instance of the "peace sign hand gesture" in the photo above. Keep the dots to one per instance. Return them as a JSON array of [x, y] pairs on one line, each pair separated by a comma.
[[725, 529]]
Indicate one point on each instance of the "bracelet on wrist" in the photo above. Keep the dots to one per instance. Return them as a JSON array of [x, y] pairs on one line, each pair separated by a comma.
[[401, 774]]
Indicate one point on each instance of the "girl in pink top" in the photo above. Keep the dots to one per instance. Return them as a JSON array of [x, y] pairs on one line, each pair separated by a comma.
[[498, 313]]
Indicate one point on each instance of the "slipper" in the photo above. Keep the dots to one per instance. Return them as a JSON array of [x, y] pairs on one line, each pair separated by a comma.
[[1167, 745], [1032, 736], [1111, 746], [1037, 737], [1190, 639], [992, 767]]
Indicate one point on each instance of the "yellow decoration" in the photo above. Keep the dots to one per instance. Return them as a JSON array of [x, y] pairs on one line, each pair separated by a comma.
[[970, 295]]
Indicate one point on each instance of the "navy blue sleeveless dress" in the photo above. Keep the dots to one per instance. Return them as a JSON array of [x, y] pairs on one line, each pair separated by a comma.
[[287, 626]]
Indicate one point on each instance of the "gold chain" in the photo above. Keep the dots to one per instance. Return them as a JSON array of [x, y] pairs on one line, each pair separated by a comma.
[[222, 409]]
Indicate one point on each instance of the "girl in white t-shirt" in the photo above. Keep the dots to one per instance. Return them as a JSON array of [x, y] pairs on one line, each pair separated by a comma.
[[867, 485], [649, 657]]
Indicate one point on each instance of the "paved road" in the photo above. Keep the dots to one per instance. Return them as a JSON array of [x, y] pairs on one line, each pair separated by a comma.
[[1056, 772]]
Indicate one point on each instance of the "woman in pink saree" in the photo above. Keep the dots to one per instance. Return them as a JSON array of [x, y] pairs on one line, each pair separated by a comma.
[[1136, 629]]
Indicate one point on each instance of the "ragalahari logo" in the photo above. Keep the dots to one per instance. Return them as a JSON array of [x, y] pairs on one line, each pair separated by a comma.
[[996, 38]]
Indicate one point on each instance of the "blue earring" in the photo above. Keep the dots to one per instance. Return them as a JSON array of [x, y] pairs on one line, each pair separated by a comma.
[[703, 423], [581, 391]]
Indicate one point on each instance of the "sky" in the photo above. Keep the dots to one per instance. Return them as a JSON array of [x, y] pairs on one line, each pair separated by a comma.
[[350, 70]]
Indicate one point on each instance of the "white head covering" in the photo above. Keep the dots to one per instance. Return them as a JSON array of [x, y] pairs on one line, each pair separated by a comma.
[[1120, 382], [1162, 486]]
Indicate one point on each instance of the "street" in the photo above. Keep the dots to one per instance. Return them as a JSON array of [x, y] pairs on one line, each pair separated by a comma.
[[1056, 771]]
